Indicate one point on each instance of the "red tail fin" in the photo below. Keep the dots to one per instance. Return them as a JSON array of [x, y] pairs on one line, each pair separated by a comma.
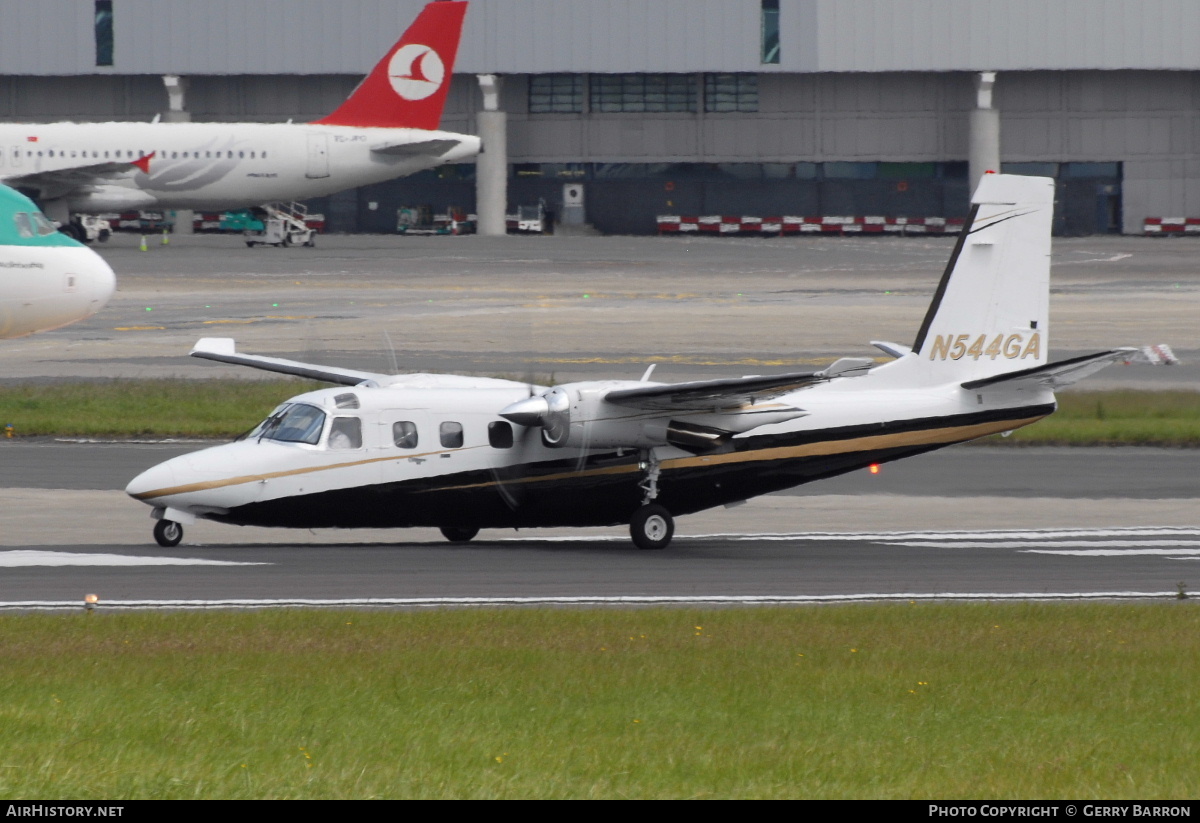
[[408, 87]]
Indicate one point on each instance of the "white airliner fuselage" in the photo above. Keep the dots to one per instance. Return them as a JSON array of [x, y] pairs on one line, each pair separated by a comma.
[[214, 165], [47, 280], [387, 128]]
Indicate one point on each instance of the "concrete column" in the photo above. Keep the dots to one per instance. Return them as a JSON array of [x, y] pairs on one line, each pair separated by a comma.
[[983, 152], [177, 113], [491, 167]]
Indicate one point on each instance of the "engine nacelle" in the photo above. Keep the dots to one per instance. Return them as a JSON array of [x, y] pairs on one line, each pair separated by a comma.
[[111, 198], [576, 415]]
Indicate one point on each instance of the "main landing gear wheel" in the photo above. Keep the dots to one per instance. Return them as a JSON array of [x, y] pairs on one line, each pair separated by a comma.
[[459, 534], [168, 533], [652, 527]]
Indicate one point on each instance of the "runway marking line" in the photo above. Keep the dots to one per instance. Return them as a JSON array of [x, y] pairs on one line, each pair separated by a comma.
[[20, 558]]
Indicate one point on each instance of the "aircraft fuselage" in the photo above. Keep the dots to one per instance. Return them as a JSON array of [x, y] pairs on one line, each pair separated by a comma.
[[217, 165], [489, 481]]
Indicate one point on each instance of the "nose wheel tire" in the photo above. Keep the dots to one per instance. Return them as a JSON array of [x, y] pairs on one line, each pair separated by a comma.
[[652, 527], [168, 533], [459, 534]]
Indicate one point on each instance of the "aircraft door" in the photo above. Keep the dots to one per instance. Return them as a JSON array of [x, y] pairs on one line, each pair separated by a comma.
[[318, 156]]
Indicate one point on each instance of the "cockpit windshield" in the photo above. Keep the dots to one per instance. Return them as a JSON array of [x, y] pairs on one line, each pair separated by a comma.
[[292, 423], [44, 226]]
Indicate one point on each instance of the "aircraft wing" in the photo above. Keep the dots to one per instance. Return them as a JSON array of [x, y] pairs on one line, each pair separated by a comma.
[[223, 350], [1056, 375], [60, 182], [732, 392], [420, 148]]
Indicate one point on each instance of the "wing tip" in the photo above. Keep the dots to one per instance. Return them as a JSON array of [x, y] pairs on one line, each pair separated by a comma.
[[214, 345]]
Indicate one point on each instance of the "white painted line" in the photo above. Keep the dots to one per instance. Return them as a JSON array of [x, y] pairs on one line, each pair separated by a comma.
[[1134, 551], [585, 600], [1115, 546], [14, 559], [1034, 534]]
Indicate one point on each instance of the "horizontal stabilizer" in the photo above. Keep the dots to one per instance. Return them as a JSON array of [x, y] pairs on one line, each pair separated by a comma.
[[419, 148], [223, 350], [847, 367], [894, 349], [1056, 375]]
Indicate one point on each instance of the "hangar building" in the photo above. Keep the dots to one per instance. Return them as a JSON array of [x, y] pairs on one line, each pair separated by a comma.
[[649, 107]]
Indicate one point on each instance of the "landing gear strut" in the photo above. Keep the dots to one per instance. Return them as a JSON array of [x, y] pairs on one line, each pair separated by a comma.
[[652, 525], [168, 533]]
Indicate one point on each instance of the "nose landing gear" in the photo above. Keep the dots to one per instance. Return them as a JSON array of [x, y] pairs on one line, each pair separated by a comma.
[[168, 533]]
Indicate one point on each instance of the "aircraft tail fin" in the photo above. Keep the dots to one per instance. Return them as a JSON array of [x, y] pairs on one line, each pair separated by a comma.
[[990, 314], [408, 87]]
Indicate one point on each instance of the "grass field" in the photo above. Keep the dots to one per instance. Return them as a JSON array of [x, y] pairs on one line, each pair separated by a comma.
[[226, 408], [869, 701], [1116, 418]]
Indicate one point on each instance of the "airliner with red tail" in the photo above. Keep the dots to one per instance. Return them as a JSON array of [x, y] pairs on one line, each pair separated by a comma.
[[387, 128]]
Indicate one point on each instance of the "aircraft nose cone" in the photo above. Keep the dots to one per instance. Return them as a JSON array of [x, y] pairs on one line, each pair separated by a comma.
[[153, 481], [102, 283]]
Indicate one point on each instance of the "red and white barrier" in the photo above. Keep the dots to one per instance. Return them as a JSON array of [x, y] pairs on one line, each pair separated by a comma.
[[828, 224], [1171, 225]]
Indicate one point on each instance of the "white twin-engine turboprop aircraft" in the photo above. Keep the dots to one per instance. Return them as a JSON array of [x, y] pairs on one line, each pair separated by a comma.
[[387, 128], [463, 453]]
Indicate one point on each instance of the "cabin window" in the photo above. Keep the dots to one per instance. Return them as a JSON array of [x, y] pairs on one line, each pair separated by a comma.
[[24, 224], [451, 434], [500, 435], [404, 434], [349, 400], [345, 433]]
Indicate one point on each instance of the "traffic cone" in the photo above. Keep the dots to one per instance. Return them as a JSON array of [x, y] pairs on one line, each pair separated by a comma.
[[166, 240], [143, 246]]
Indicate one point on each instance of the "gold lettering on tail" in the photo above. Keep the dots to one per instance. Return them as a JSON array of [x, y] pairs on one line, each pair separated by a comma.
[[977, 346]]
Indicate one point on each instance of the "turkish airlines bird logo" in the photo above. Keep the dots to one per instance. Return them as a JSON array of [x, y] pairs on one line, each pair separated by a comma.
[[416, 71]]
